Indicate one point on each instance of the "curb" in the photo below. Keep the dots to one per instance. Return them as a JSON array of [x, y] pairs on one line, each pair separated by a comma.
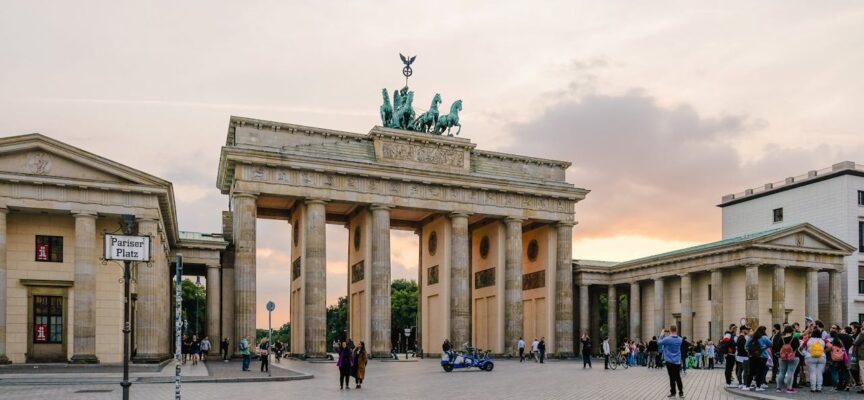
[[752, 395], [149, 380]]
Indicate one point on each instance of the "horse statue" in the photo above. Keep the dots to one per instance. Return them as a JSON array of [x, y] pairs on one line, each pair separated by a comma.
[[427, 120], [386, 109], [450, 120], [404, 114]]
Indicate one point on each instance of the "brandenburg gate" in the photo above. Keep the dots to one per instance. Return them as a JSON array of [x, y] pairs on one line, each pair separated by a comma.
[[495, 233]]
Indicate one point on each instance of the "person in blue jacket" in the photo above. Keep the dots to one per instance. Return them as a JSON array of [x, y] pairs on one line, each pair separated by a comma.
[[671, 343]]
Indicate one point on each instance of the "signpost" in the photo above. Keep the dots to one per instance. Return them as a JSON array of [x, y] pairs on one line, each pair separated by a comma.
[[270, 307], [127, 248], [178, 323]]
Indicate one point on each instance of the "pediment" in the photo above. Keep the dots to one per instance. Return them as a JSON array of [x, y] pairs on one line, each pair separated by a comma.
[[39, 156], [805, 236]]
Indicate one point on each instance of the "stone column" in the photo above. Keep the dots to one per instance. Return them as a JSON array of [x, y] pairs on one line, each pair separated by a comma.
[[84, 328], [778, 295], [594, 296], [564, 291], [635, 311], [245, 216], [460, 293], [315, 284], [835, 296], [584, 310], [513, 284], [687, 306], [214, 297], [228, 307], [717, 322], [659, 305], [751, 304], [150, 292], [811, 301], [380, 281], [3, 290], [612, 316]]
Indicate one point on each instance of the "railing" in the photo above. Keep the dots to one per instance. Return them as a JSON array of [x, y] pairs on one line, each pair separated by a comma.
[[846, 165]]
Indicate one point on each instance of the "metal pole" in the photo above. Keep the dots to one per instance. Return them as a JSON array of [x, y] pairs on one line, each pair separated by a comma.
[[269, 339], [178, 324], [127, 329]]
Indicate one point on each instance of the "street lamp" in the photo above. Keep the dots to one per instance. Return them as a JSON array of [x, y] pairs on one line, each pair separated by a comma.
[[197, 309]]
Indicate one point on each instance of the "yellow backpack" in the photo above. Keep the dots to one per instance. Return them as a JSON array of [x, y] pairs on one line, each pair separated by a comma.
[[816, 350]]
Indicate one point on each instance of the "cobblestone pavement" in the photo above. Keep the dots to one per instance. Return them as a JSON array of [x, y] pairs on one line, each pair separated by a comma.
[[419, 380]]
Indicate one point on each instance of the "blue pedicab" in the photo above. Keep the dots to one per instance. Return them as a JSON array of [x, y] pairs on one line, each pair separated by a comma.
[[468, 358]]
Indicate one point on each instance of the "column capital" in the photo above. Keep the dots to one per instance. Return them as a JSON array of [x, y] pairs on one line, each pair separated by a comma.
[[780, 266], [244, 195], [684, 274], [146, 219], [566, 224], [84, 214], [217, 266], [314, 201], [514, 219], [4, 210], [459, 214], [659, 278], [380, 206]]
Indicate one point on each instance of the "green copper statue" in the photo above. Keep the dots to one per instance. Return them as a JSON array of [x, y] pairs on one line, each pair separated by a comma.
[[450, 120], [427, 120], [386, 109]]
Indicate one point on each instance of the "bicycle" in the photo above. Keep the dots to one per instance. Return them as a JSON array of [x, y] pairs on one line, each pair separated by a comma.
[[619, 359]]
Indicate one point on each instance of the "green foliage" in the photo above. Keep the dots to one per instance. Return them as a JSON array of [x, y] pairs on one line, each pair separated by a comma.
[[337, 321], [282, 334], [622, 322], [404, 295], [194, 307]]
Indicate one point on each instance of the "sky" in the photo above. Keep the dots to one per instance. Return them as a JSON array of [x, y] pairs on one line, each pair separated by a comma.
[[662, 106]]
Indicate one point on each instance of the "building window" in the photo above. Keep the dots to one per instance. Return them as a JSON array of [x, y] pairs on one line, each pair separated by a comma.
[[778, 215], [709, 297], [860, 280], [49, 248], [861, 197], [860, 318], [47, 319], [679, 295], [861, 236]]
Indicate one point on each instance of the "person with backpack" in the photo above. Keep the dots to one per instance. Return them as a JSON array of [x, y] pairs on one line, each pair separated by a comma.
[[742, 360], [757, 352], [727, 351], [788, 360], [839, 359], [814, 349]]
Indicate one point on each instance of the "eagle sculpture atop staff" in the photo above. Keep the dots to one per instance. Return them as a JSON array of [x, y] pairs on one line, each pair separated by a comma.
[[407, 71]]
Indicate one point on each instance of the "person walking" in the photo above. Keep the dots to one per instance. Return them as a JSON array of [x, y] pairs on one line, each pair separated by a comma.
[[606, 352], [535, 350], [360, 360], [711, 353], [521, 346], [185, 348], [788, 360], [345, 363], [758, 351], [205, 348], [277, 351], [245, 352], [264, 353], [586, 351], [671, 343], [194, 349], [224, 346], [814, 357], [653, 352], [742, 360], [542, 348], [727, 350]]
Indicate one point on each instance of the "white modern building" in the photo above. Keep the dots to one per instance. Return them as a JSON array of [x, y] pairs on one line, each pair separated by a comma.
[[832, 199]]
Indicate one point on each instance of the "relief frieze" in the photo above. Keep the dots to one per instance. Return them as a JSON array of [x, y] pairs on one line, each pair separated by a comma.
[[422, 154]]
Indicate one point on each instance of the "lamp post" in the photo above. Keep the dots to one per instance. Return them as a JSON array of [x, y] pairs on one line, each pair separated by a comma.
[[197, 309]]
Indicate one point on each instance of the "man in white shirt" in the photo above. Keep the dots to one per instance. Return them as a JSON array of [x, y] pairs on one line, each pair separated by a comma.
[[535, 350], [521, 346], [606, 352]]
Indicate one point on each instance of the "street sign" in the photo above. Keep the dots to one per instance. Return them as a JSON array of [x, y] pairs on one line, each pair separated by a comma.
[[271, 306], [127, 248], [407, 332]]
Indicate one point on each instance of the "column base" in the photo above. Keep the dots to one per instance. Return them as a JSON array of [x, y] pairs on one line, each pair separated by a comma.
[[84, 359], [150, 358], [382, 354], [4, 359], [565, 355]]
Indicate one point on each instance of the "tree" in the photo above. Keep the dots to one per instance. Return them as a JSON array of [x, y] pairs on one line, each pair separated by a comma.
[[404, 295], [194, 306], [282, 334], [337, 321]]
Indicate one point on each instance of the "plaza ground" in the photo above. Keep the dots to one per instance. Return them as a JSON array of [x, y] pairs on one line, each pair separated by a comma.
[[417, 380]]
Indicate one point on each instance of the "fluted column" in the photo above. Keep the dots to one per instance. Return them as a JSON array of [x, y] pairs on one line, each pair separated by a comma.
[[751, 304], [150, 293], [835, 296], [513, 284], [315, 283], [381, 329], [84, 327], [228, 306], [659, 304], [612, 316], [717, 323], [687, 306], [778, 295], [635, 311], [564, 291], [584, 310], [214, 295], [811, 301], [3, 290], [245, 220], [460, 294]]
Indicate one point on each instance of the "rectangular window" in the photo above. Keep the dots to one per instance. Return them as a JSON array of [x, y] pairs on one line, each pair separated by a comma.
[[860, 318], [861, 197], [860, 280], [709, 297], [709, 331], [861, 236], [47, 319], [49, 248], [778, 215], [679, 295]]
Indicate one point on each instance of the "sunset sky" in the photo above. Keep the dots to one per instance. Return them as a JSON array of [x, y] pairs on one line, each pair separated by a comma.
[[662, 107]]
